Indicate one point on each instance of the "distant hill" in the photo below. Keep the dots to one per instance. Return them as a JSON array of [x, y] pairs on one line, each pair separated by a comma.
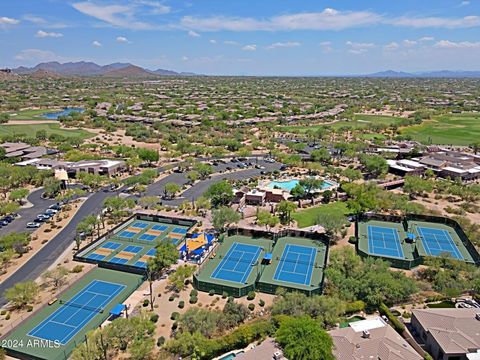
[[429, 74], [44, 74], [84, 68], [130, 71]]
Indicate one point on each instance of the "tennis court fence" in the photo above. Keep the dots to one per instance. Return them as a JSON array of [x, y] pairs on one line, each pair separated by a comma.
[[417, 256]]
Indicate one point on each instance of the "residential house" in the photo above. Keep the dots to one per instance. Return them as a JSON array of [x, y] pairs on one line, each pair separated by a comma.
[[371, 339], [448, 334]]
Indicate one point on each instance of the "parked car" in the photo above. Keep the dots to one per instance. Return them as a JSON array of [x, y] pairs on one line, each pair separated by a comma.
[[9, 218], [33, 225], [4, 222], [42, 217], [51, 211], [39, 220], [55, 207], [228, 168]]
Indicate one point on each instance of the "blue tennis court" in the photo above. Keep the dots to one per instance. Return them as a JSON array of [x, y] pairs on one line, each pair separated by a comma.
[[179, 231], [438, 241], [296, 264], [384, 241], [151, 252], [133, 249], [236, 266], [139, 225], [127, 234], [111, 245], [159, 227], [147, 237], [141, 264], [117, 260], [72, 316], [96, 256]]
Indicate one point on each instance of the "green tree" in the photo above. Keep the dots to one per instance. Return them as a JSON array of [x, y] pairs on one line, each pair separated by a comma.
[[171, 189], [148, 155], [51, 187], [310, 184], [220, 193], [415, 185], [56, 276], [332, 222], [321, 155], [22, 294], [19, 195], [223, 217], [149, 202], [285, 209], [303, 339], [178, 278], [203, 169], [375, 165], [352, 174], [298, 191], [166, 255]]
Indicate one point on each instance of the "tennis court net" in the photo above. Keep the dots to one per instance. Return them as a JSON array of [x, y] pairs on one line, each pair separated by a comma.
[[90, 308]]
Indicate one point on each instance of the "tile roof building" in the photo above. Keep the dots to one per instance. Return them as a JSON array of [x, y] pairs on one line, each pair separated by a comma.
[[371, 339], [448, 334]]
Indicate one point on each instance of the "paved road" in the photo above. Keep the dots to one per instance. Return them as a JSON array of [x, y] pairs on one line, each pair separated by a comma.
[[50, 253]]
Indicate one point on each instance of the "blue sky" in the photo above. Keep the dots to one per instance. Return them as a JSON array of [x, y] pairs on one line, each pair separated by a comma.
[[261, 37]]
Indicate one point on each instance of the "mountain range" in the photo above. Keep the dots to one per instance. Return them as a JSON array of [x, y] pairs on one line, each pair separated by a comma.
[[83, 68], [125, 70], [427, 74]]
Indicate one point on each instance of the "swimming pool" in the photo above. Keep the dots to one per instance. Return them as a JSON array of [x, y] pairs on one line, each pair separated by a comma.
[[288, 185], [64, 112], [231, 356]]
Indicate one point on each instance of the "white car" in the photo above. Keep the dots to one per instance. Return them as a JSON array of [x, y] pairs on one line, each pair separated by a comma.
[[33, 225]]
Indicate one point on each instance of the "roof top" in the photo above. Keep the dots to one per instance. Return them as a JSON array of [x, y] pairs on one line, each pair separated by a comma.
[[383, 343], [455, 330]]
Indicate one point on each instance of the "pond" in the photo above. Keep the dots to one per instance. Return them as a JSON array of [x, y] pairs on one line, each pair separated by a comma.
[[64, 112]]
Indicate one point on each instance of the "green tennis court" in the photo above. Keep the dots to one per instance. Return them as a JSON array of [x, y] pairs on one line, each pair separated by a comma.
[[54, 331]]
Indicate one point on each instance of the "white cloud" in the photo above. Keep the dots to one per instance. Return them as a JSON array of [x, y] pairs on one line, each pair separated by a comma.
[[465, 3], [34, 19], [122, 40], [157, 7], [96, 44], [185, 58], [325, 43], [212, 41], [44, 34], [230, 42], [288, 44], [437, 22], [426, 38], [121, 16], [37, 20], [328, 19], [36, 55], [6, 21], [193, 34], [391, 46], [409, 43], [359, 48], [251, 47], [447, 44]]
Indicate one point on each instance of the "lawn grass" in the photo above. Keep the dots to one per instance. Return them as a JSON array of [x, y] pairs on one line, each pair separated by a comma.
[[451, 129], [359, 121], [309, 216], [31, 130], [30, 114]]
